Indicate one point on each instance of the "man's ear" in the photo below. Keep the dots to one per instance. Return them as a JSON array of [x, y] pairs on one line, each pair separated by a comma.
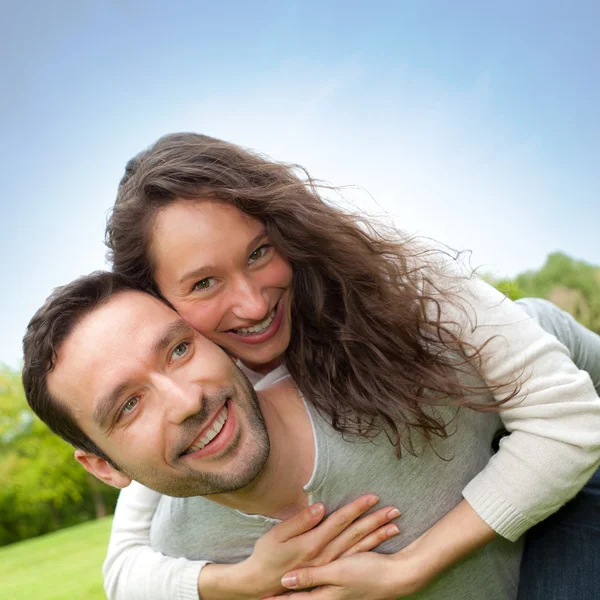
[[101, 469]]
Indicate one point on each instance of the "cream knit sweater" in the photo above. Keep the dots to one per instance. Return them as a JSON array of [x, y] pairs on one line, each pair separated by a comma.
[[552, 449]]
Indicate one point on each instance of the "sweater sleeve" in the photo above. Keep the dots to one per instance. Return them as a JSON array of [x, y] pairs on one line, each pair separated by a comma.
[[553, 446], [132, 569]]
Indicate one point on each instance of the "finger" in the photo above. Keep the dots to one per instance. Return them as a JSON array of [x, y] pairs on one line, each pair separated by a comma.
[[326, 592], [339, 520], [372, 524], [309, 577], [301, 522], [373, 540], [321, 593]]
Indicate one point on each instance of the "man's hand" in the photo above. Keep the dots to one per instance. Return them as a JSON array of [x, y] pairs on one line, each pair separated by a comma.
[[301, 541]]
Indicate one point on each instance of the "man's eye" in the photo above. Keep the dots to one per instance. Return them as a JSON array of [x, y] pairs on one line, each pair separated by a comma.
[[260, 252], [204, 284], [129, 406], [180, 350]]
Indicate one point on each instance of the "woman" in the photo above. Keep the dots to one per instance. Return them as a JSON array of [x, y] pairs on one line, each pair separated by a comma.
[[369, 325]]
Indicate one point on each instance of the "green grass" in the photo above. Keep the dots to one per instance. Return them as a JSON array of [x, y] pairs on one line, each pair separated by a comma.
[[65, 565]]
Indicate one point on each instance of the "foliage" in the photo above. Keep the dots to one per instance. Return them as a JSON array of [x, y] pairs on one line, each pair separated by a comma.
[[43, 487], [571, 284], [65, 565], [507, 286]]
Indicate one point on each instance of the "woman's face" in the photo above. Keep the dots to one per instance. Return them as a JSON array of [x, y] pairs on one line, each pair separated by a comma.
[[217, 267]]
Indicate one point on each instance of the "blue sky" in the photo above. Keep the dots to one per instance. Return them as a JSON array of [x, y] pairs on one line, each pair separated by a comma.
[[470, 123]]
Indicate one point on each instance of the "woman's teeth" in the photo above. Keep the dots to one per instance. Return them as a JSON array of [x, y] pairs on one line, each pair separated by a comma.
[[211, 434], [259, 327]]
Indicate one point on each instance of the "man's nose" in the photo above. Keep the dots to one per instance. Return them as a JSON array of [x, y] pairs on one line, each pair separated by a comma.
[[181, 400], [249, 302]]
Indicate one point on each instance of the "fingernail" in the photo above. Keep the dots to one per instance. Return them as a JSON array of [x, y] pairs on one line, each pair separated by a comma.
[[289, 581], [392, 530], [316, 509], [394, 513], [373, 500]]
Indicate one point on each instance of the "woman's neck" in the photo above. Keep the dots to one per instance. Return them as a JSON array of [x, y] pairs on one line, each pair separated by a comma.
[[264, 368]]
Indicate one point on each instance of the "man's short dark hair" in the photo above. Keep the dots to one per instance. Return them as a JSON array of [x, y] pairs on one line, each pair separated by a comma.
[[46, 332]]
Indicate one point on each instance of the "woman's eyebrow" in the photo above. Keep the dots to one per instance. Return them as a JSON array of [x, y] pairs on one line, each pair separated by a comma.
[[198, 272], [257, 238]]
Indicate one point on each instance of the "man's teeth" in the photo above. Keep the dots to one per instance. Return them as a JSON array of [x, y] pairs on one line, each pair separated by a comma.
[[211, 434], [259, 327]]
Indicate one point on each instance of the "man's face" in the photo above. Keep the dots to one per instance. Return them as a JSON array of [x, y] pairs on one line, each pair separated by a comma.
[[168, 406]]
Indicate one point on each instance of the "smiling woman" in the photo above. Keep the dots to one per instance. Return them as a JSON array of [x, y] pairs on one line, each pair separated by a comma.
[[236, 286], [230, 238], [377, 331]]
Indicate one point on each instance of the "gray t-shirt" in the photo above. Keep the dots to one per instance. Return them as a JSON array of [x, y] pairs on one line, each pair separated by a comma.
[[424, 487]]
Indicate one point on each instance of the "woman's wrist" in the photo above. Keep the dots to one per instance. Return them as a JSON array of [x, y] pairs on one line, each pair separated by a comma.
[[414, 568], [458, 534], [226, 582]]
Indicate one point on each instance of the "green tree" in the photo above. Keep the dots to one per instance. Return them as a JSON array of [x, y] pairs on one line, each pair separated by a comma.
[[573, 285], [43, 487]]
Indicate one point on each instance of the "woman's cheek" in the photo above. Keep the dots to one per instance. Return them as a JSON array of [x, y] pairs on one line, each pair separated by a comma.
[[202, 318]]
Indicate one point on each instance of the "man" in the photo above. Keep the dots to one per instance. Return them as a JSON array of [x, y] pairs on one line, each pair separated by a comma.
[[142, 396]]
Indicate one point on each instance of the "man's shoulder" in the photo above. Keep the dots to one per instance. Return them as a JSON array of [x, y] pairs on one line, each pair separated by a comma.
[[170, 507], [200, 529]]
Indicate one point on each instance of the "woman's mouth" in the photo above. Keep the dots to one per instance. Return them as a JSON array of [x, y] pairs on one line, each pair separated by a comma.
[[258, 328], [263, 331]]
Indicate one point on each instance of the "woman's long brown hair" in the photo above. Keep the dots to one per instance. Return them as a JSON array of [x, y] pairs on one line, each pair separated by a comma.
[[371, 346]]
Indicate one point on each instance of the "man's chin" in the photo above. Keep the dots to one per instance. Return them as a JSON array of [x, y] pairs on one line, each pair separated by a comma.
[[245, 476], [239, 484], [243, 472]]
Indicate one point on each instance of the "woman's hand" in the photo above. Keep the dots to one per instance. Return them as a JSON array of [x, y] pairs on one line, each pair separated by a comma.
[[371, 576], [365, 576], [301, 541]]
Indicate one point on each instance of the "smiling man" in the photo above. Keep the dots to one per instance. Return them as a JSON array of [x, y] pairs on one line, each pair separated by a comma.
[[141, 395], [166, 406]]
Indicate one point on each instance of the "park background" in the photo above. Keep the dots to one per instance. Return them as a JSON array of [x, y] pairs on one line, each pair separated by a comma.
[[473, 123]]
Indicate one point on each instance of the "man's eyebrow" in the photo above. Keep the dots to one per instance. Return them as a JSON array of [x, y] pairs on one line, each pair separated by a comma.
[[175, 330], [200, 271], [106, 405]]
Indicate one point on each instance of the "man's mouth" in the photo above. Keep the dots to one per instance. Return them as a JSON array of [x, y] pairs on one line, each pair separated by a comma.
[[209, 435], [259, 327]]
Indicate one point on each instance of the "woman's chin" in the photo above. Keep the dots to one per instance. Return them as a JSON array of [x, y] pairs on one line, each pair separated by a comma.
[[261, 364]]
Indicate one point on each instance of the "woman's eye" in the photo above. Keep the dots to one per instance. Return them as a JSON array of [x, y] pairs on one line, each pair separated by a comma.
[[204, 284], [260, 252], [180, 350]]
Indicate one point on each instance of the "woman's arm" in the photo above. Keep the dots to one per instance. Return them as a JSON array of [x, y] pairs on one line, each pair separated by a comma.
[[554, 421], [133, 570]]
